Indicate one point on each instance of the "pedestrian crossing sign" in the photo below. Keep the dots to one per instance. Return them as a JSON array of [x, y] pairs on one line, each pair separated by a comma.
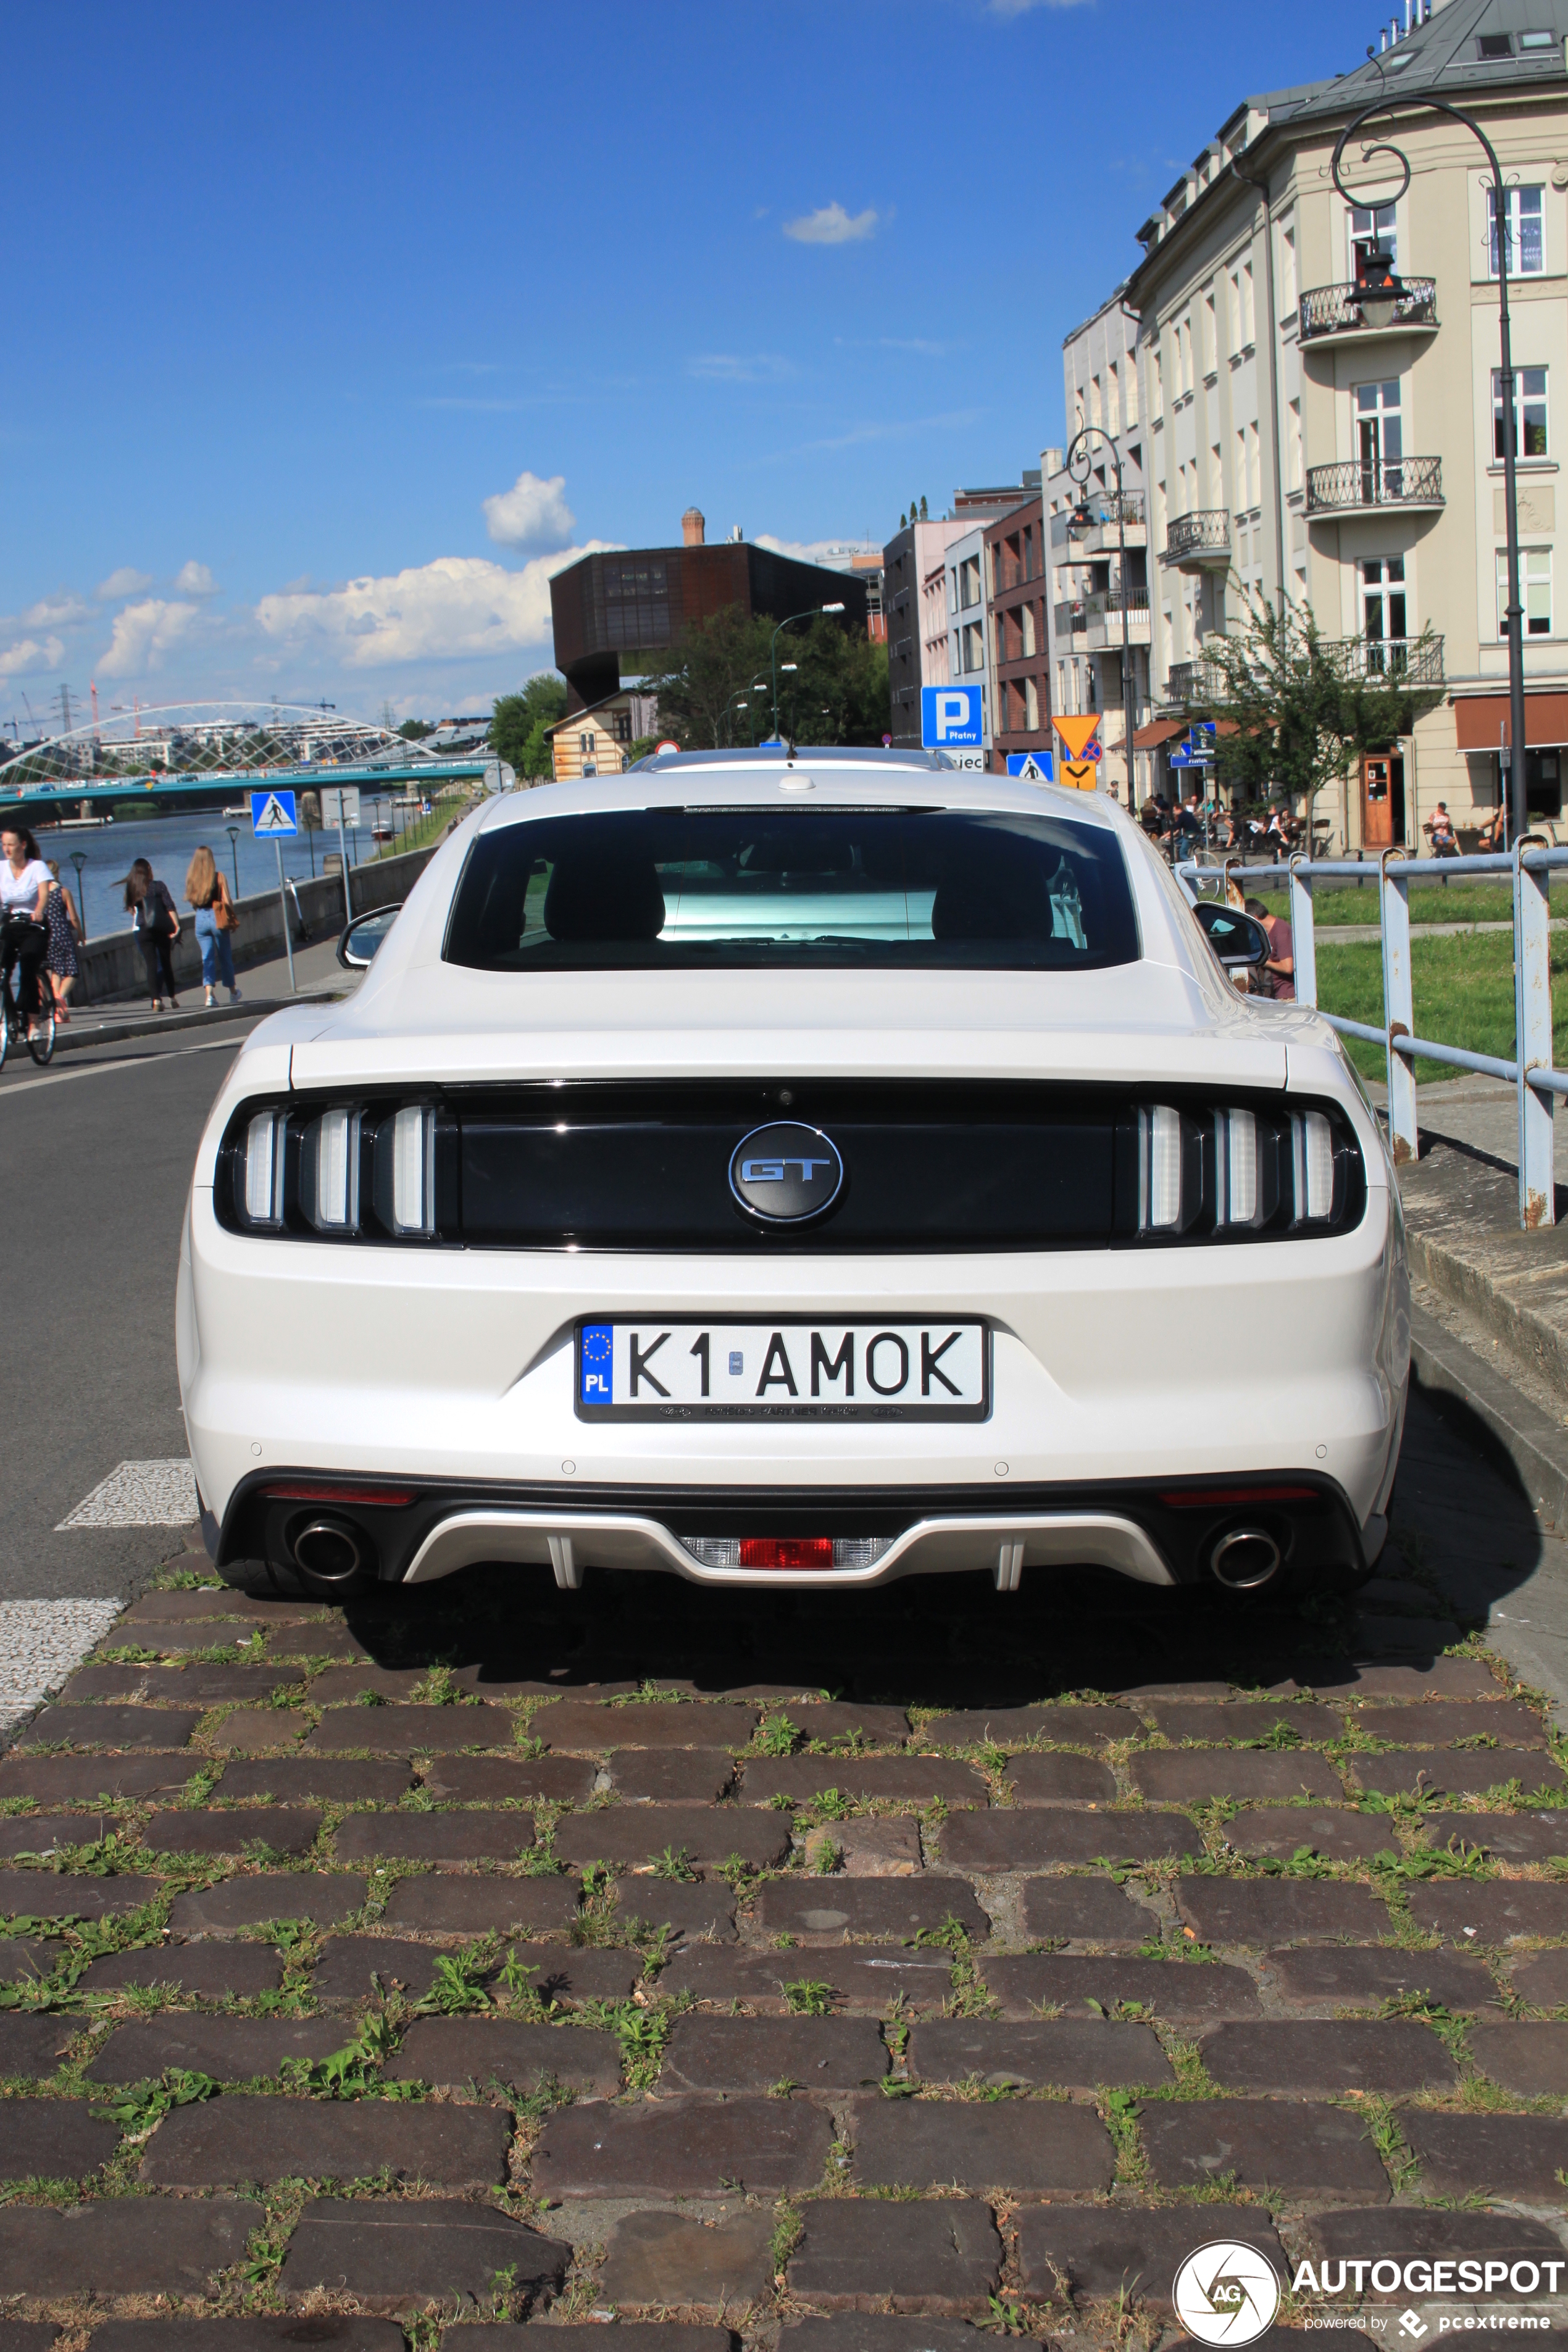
[[273, 812], [1030, 767]]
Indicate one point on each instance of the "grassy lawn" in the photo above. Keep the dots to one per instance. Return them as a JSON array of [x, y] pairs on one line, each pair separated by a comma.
[[1463, 989], [424, 830], [1430, 902]]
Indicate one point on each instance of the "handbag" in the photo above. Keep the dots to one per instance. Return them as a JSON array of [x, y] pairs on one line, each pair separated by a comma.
[[225, 914]]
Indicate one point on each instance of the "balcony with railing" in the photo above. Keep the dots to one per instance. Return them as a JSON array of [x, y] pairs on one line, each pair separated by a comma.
[[1198, 541], [1333, 311], [1418, 661], [1104, 618], [1111, 520], [1414, 485], [1070, 620], [1194, 685]]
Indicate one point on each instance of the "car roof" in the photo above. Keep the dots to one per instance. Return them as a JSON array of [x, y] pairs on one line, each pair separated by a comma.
[[847, 777]]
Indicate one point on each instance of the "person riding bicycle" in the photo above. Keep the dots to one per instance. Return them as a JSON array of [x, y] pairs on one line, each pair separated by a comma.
[[25, 885]]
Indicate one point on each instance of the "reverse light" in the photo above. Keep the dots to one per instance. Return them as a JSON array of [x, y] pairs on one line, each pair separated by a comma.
[[335, 1140], [264, 1169]]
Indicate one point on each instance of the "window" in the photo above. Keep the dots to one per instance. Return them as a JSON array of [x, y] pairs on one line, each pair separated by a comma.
[[1538, 40], [1027, 617], [1379, 440], [689, 889], [1211, 343], [1523, 227], [1254, 466], [1494, 44], [1159, 375], [1528, 415], [973, 647], [1288, 266], [1534, 590], [1095, 416], [1237, 333], [1031, 706], [1371, 225], [1248, 306], [1383, 609], [1113, 398], [1293, 429]]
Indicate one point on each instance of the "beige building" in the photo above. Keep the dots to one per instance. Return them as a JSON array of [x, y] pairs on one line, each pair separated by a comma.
[[1292, 441]]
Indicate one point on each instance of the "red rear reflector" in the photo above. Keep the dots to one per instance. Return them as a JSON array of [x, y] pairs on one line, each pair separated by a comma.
[[1225, 1499], [384, 1497], [786, 1551]]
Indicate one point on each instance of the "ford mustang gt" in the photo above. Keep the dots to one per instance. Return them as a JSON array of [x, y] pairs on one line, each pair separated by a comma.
[[796, 1167]]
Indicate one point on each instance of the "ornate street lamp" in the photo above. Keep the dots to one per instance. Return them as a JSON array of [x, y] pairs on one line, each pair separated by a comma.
[[1381, 297], [1378, 290], [1079, 523]]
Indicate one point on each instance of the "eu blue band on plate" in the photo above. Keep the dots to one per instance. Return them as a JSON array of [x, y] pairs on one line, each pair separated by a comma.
[[595, 1358]]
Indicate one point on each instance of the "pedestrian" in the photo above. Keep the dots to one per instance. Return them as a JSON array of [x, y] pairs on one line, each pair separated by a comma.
[[1280, 966], [1440, 826], [157, 926], [207, 892], [24, 895], [63, 924]]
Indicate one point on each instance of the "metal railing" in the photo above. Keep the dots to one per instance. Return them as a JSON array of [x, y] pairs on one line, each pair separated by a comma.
[[1329, 311], [1529, 868], [1111, 600], [1193, 682], [1418, 660], [1374, 482], [1070, 619], [1206, 533]]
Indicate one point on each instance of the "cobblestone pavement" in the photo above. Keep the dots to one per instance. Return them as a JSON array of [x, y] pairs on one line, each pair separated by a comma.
[[493, 1957]]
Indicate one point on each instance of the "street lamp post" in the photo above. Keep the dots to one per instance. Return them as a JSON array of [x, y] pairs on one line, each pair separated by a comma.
[[1376, 294], [1077, 466], [78, 859], [774, 647], [233, 832]]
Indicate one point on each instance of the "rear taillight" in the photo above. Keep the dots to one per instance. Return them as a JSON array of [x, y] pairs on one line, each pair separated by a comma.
[[1228, 1174], [412, 1159], [261, 1190], [786, 1552]]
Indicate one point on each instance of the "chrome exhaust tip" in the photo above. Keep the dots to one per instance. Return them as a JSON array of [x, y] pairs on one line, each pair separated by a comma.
[[330, 1551], [1244, 1558]]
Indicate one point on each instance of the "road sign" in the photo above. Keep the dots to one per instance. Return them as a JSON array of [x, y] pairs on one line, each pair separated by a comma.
[[666, 744], [1182, 757], [1034, 767], [273, 812], [952, 716], [1202, 731], [340, 804]]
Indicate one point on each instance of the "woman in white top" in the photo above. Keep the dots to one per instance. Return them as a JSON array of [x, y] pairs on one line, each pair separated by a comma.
[[25, 885]]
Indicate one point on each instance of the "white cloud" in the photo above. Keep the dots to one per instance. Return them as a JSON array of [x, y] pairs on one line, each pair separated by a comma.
[[813, 551], [193, 579], [734, 367], [532, 513], [61, 611], [21, 659], [126, 581], [831, 224], [457, 608], [143, 635]]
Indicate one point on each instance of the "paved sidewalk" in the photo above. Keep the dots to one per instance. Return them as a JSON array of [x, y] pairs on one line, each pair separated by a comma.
[[493, 1952]]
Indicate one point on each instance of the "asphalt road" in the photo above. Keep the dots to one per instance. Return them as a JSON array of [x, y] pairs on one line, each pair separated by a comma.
[[95, 1160]]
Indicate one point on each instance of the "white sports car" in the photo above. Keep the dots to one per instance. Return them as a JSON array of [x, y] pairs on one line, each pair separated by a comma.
[[813, 1168]]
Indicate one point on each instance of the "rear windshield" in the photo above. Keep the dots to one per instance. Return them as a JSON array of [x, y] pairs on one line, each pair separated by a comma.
[[682, 889]]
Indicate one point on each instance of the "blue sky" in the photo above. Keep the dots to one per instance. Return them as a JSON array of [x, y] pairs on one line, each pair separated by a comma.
[[331, 327]]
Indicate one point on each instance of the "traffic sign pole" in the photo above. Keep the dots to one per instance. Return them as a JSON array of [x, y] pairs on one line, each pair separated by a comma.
[[344, 851], [283, 903]]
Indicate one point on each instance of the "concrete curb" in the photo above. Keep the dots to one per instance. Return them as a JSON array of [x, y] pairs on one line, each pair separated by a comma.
[[117, 1033], [1490, 1414]]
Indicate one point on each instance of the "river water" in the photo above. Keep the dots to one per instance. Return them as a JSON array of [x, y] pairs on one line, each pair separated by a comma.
[[168, 844]]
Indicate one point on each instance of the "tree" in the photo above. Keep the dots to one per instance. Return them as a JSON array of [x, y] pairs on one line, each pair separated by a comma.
[[1303, 712], [837, 691], [415, 730], [518, 720]]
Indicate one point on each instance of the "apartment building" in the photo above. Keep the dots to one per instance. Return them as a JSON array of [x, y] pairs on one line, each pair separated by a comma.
[[916, 585], [1349, 457], [1014, 569], [1085, 531]]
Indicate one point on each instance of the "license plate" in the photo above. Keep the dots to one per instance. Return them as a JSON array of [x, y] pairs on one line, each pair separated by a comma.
[[677, 1369]]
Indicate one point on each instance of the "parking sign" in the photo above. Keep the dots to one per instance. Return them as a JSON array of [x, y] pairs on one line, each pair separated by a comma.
[[952, 718]]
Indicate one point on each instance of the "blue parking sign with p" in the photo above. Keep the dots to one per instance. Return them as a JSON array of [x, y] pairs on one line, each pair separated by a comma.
[[952, 718], [595, 1357]]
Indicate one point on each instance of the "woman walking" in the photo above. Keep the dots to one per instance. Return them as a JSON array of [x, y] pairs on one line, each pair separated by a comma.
[[157, 929], [63, 924], [207, 892]]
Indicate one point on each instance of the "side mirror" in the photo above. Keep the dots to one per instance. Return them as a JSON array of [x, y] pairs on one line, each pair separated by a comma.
[[363, 936], [1237, 939]]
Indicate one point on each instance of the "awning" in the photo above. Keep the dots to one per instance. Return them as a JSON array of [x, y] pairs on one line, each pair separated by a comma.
[[1159, 730], [1480, 720]]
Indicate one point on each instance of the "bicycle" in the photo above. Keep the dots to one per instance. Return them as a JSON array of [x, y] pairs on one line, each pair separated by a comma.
[[17, 1027]]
